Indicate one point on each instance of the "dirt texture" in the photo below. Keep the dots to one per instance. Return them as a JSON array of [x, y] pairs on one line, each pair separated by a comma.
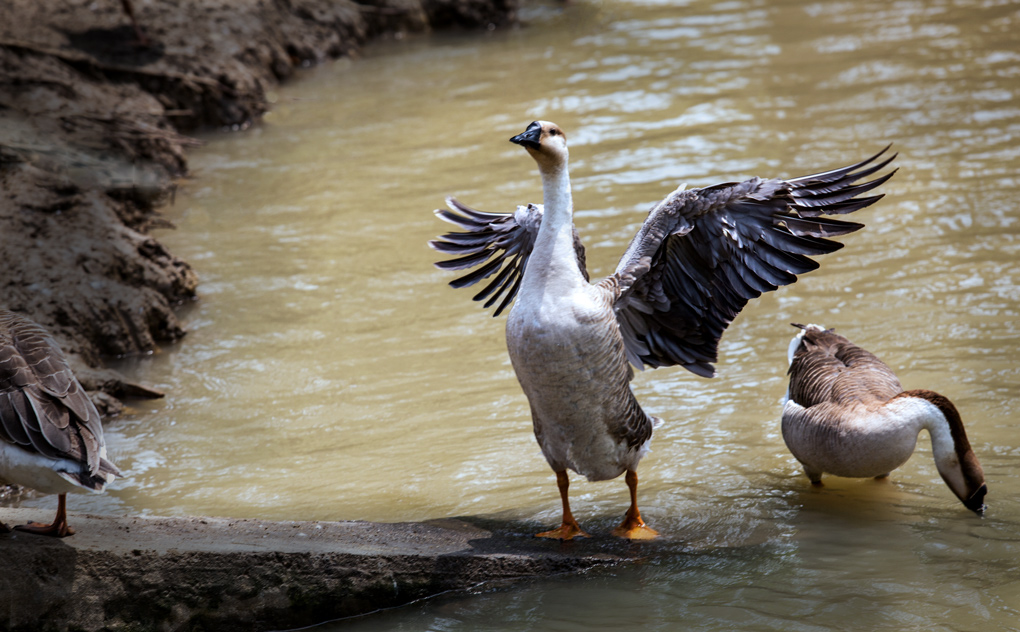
[[224, 575], [93, 135]]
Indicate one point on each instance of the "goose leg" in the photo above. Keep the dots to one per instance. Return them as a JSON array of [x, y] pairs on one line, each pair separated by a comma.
[[139, 33], [633, 527], [814, 476], [569, 529], [59, 527]]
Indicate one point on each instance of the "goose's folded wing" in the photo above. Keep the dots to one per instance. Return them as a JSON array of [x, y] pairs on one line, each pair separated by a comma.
[[702, 254], [492, 244], [828, 368], [42, 406]]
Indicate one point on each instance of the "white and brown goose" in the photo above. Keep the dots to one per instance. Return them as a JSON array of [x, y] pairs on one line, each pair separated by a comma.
[[51, 438], [846, 414], [699, 257]]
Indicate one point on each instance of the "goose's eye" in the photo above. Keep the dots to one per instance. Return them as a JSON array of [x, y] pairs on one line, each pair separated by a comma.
[[554, 132]]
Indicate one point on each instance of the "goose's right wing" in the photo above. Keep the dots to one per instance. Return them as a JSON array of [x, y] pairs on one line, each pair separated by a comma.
[[828, 368], [493, 244], [702, 254]]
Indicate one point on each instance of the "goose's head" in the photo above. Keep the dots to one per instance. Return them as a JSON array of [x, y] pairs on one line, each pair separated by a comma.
[[959, 467], [546, 143], [965, 477]]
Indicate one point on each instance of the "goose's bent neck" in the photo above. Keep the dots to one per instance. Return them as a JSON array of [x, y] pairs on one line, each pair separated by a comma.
[[921, 410]]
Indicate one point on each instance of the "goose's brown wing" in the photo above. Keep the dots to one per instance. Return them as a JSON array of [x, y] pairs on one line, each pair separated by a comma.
[[703, 253], [828, 368], [43, 408], [493, 244]]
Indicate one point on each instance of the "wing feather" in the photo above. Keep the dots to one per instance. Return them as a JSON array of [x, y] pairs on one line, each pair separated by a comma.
[[43, 408], [494, 244], [702, 254], [828, 368]]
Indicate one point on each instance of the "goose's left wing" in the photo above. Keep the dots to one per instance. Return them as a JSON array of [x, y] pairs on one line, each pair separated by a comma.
[[43, 408], [703, 253], [494, 244]]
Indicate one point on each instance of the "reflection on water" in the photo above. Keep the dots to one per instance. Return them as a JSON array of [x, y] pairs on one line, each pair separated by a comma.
[[329, 373]]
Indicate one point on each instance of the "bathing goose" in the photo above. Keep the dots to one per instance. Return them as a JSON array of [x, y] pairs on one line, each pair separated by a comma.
[[51, 438], [699, 257], [847, 415]]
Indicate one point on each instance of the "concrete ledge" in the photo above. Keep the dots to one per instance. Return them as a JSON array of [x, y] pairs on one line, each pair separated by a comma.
[[222, 574]]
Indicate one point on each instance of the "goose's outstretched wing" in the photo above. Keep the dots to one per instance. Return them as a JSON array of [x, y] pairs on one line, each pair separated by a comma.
[[828, 368], [43, 408], [494, 244], [703, 253]]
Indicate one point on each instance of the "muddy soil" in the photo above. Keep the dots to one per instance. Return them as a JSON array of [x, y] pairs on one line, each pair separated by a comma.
[[94, 128], [93, 137]]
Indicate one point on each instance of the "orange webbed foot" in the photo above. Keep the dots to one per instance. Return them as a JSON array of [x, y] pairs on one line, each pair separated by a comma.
[[644, 532], [54, 530], [57, 529], [635, 529], [565, 532]]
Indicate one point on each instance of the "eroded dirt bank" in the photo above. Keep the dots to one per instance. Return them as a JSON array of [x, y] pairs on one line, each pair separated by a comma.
[[93, 135], [246, 575]]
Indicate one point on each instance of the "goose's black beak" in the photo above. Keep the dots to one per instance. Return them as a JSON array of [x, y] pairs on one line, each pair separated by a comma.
[[976, 502], [530, 137]]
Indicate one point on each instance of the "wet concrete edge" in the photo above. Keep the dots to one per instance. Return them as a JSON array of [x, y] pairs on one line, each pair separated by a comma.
[[222, 574]]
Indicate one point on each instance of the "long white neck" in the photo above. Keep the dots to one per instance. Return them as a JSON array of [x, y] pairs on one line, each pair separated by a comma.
[[558, 217], [553, 257]]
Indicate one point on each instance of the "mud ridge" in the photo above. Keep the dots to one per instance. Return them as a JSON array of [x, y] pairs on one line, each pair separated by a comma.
[[93, 136]]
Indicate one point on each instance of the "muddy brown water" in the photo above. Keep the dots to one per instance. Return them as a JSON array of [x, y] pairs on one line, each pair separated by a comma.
[[330, 373]]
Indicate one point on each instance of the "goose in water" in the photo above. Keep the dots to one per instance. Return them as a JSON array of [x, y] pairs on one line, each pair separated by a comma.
[[847, 415], [699, 257], [51, 438]]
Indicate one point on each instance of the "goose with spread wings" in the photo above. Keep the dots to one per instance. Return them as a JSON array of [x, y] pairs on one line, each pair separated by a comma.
[[700, 255], [51, 437]]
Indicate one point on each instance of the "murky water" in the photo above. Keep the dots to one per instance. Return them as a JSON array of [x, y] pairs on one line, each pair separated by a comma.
[[329, 373]]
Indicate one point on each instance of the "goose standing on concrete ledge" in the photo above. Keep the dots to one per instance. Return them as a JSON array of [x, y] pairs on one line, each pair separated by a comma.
[[51, 438], [847, 415], [694, 264]]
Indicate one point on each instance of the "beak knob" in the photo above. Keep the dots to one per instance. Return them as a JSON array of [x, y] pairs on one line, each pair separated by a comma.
[[530, 137]]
